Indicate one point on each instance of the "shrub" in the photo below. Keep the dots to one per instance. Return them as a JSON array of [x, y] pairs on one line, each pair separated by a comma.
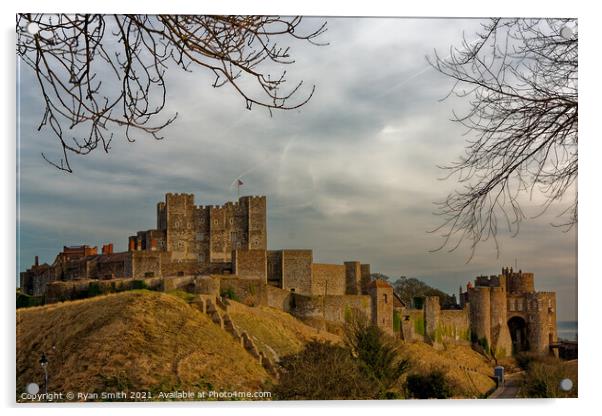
[[322, 371], [543, 376], [94, 289], [524, 359], [139, 284], [229, 294], [432, 385], [24, 300]]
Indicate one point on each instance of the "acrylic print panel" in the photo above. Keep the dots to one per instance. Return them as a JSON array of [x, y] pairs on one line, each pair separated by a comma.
[[286, 208]]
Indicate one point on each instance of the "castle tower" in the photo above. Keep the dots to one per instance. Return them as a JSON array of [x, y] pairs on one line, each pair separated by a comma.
[[353, 278], [480, 313], [501, 344], [382, 304], [542, 321], [208, 234]]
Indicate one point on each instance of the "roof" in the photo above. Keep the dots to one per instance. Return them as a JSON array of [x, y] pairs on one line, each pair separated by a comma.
[[380, 283]]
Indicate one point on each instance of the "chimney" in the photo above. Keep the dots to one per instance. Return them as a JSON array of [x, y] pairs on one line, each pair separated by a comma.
[[37, 261]]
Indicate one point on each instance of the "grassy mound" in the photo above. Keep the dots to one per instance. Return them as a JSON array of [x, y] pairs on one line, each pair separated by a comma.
[[136, 341]]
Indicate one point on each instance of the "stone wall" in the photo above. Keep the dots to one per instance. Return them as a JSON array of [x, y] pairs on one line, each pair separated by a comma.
[[251, 292], [454, 325], [327, 279], [59, 291], [296, 270], [250, 264], [279, 298], [274, 260], [332, 308]]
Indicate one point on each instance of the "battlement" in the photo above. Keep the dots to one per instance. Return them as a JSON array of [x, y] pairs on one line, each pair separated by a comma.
[[489, 281]]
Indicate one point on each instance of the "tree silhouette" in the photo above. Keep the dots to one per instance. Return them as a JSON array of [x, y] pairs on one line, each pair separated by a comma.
[[520, 79], [98, 73]]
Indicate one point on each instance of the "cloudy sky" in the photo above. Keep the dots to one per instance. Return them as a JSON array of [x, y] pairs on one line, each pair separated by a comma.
[[353, 174]]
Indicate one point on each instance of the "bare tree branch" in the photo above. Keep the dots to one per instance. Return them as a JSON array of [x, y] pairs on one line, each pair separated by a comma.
[[69, 53], [520, 77]]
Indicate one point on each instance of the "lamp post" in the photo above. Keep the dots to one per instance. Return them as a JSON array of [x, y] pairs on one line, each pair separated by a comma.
[[44, 363]]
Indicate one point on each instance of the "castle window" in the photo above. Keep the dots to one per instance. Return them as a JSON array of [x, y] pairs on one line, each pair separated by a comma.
[[231, 221], [385, 297], [200, 236], [201, 258], [519, 305], [214, 222]]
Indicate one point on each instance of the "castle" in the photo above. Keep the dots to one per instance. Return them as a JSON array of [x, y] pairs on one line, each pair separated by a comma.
[[222, 250]]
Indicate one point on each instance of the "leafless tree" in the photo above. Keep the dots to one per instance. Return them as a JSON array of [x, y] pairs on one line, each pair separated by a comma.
[[520, 79], [97, 73]]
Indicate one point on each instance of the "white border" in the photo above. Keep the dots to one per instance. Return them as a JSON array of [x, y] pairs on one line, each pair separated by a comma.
[[590, 233]]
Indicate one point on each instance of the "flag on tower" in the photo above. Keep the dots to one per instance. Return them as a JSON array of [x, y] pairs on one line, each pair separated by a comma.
[[238, 184]]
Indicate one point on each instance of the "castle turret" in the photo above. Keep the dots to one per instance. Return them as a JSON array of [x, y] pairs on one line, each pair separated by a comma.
[[501, 344], [480, 313], [542, 319]]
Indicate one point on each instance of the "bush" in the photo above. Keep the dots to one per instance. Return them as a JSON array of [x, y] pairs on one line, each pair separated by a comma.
[[94, 289], [524, 359], [322, 371], [543, 376], [229, 294], [432, 385], [24, 300], [139, 284]]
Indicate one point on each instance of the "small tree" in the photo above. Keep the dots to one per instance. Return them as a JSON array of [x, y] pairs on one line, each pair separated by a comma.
[[377, 352]]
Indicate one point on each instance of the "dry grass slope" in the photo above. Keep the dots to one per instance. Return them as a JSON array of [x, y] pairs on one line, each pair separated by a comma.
[[468, 383], [275, 331], [135, 340]]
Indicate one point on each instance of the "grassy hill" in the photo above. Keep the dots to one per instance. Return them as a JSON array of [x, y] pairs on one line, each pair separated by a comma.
[[151, 341], [134, 340]]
